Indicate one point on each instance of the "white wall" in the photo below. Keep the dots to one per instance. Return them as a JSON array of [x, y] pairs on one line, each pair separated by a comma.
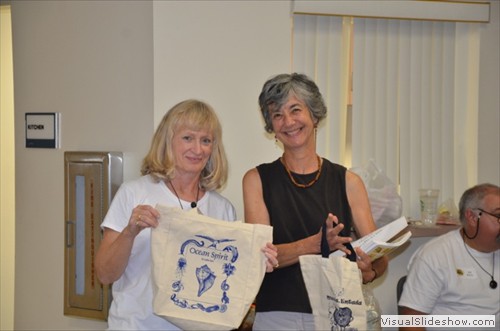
[[93, 63], [96, 64], [222, 52]]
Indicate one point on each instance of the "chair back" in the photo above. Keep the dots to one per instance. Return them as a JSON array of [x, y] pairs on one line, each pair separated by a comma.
[[399, 289]]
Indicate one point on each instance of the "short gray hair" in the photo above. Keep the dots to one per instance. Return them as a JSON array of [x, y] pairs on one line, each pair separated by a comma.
[[473, 197], [277, 89]]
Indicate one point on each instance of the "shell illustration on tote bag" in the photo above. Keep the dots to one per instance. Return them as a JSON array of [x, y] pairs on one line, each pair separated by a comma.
[[211, 250]]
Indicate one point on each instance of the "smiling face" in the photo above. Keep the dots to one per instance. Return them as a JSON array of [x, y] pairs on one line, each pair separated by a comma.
[[191, 150], [293, 124]]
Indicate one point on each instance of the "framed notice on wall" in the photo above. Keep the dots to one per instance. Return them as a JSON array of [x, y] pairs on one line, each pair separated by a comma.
[[42, 130]]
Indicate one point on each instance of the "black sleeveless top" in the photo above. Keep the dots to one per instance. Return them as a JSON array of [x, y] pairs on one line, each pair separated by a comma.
[[296, 213]]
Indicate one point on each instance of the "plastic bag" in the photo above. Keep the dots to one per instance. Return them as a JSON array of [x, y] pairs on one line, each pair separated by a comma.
[[385, 202], [373, 312]]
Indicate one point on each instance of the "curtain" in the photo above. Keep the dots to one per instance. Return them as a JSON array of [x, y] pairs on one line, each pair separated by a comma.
[[321, 51], [415, 104], [414, 101]]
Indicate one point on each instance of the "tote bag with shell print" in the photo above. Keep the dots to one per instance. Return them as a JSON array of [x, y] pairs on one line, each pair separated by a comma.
[[334, 288], [206, 272]]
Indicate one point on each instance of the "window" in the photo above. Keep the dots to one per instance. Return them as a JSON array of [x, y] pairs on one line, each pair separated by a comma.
[[414, 97]]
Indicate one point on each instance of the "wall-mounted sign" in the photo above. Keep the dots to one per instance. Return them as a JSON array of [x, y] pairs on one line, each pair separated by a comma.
[[42, 130]]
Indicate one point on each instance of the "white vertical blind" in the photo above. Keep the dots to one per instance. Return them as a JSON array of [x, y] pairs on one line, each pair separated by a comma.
[[321, 51], [415, 98], [415, 104], [466, 104]]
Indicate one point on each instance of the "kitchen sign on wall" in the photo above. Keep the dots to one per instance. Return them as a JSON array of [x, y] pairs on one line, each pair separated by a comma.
[[42, 130]]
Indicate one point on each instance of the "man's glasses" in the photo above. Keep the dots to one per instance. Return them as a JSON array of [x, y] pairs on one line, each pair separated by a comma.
[[497, 216]]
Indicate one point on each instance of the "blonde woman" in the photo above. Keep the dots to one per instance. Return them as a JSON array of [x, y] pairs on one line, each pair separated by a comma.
[[184, 167]]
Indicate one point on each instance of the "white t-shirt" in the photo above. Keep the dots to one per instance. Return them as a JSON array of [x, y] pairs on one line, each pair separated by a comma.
[[132, 304], [443, 279]]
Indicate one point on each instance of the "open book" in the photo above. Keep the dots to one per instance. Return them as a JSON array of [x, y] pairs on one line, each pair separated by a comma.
[[379, 243]]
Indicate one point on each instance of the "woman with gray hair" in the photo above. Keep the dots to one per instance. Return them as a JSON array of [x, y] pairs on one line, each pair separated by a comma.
[[297, 194], [184, 167]]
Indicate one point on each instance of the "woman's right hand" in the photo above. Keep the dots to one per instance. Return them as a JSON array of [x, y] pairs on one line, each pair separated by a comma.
[[114, 252], [143, 216]]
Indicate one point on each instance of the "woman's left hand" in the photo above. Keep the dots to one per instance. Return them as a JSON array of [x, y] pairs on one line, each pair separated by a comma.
[[365, 265], [271, 253]]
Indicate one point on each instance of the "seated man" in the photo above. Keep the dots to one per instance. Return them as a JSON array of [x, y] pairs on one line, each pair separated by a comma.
[[458, 273]]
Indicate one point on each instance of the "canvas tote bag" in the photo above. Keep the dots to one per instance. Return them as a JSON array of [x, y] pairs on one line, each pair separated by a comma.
[[206, 272], [334, 289]]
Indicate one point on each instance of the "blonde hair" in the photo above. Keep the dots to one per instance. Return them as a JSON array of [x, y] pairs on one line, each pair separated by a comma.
[[194, 115]]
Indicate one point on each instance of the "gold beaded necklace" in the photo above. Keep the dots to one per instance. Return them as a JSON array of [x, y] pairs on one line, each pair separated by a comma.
[[311, 183]]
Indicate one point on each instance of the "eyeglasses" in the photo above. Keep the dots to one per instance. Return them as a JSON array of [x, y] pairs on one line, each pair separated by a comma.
[[497, 216]]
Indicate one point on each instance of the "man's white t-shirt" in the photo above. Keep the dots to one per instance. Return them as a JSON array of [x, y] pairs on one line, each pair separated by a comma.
[[132, 304], [444, 279]]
